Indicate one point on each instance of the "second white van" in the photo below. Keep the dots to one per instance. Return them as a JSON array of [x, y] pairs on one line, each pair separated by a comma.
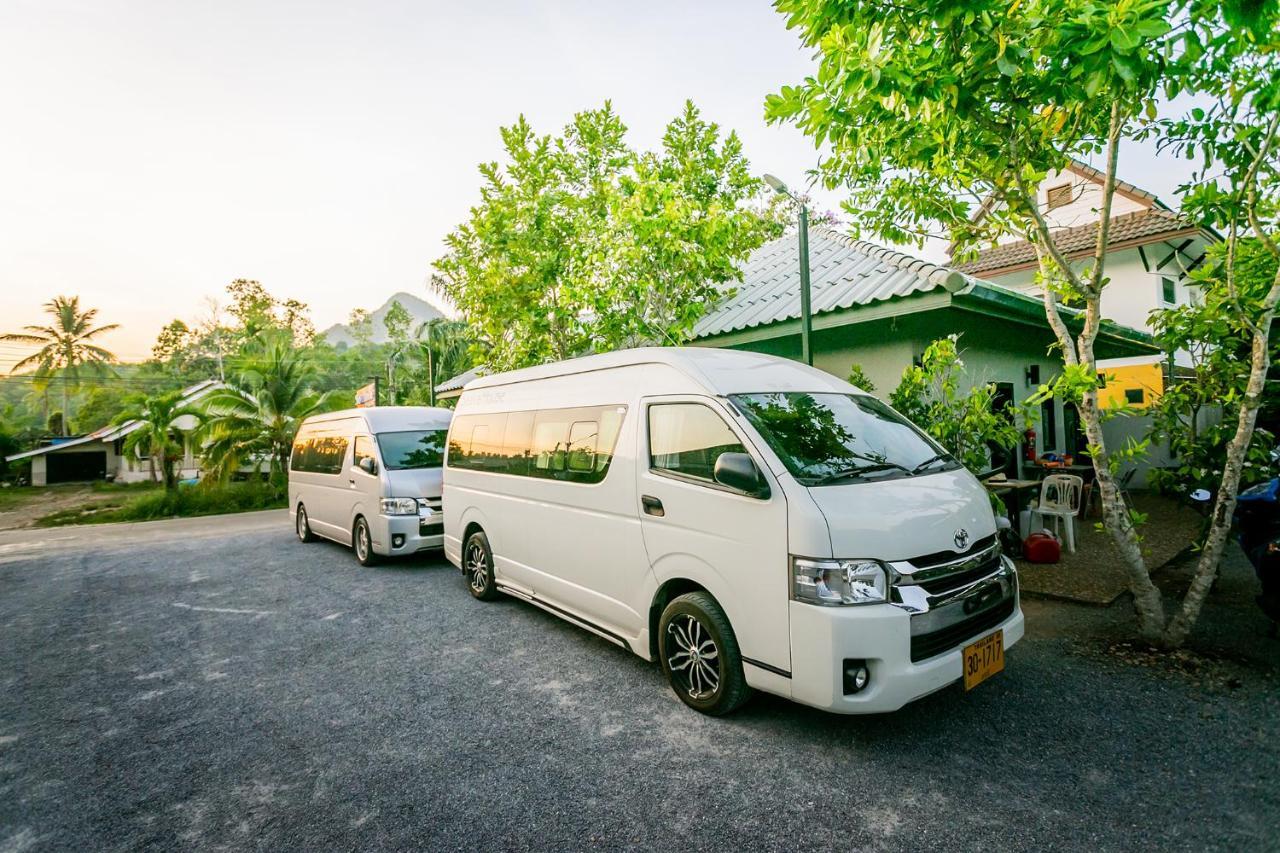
[[370, 478], [747, 521]]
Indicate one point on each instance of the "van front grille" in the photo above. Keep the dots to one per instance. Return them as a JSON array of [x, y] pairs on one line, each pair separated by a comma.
[[924, 646], [939, 557]]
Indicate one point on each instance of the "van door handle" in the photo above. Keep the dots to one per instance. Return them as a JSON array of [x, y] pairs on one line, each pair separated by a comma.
[[652, 506], [352, 481]]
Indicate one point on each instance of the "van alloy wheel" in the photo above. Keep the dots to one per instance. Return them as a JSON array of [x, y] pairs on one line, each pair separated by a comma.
[[477, 567], [363, 544], [698, 652], [693, 657], [302, 526]]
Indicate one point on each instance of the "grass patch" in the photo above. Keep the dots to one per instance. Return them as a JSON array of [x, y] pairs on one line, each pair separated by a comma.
[[184, 502]]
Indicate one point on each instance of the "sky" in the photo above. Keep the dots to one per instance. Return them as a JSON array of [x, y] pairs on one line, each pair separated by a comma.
[[155, 151]]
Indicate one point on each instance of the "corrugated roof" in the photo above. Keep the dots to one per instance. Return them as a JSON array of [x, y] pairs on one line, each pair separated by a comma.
[[455, 383], [843, 273], [1151, 225]]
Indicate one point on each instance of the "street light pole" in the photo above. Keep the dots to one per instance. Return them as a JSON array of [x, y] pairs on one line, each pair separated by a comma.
[[806, 313]]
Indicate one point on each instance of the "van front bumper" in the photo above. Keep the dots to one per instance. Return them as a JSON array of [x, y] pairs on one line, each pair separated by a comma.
[[407, 530], [823, 638]]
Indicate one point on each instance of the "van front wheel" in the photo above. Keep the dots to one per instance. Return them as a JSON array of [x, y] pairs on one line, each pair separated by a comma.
[[362, 543], [477, 565], [699, 654]]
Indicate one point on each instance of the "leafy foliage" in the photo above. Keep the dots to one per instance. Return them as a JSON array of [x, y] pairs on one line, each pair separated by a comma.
[[67, 348], [1213, 335], [162, 420], [255, 419], [580, 243], [937, 396]]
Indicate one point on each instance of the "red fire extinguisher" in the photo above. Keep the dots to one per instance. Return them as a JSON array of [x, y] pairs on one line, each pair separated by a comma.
[[1029, 445]]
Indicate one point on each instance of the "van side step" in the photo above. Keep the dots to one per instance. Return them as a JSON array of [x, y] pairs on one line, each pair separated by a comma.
[[564, 614]]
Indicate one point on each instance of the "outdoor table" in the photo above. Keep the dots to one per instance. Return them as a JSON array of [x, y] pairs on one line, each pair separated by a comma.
[[1016, 489]]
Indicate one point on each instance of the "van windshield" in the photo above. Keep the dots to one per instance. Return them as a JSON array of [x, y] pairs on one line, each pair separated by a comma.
[[830, 438], [412, 448]]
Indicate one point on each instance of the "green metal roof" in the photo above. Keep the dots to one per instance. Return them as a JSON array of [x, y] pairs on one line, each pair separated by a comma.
[[855, 281]]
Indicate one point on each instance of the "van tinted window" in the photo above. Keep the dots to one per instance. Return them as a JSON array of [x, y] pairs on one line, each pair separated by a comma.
[[318, 453], [687, 439], [575, 444]]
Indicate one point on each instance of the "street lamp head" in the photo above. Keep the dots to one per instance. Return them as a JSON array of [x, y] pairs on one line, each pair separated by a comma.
[[777, 185]]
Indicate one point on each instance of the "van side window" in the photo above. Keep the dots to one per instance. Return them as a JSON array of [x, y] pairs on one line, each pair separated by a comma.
[[319, 454], [364, 449], [686, 439], [575, 444]]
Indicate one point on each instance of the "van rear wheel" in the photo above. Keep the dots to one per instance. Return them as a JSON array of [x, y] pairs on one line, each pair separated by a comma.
[[362, 543], [301, 526], [699, 654], [477, 565]]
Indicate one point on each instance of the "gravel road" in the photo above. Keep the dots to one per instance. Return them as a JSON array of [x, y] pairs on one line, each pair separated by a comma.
[[216, 684]]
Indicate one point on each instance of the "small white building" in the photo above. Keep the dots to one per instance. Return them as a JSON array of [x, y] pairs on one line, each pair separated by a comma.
[[1151, 251], [100, 455]]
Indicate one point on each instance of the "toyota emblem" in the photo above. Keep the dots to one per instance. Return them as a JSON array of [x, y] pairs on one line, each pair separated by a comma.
[[961, 539]]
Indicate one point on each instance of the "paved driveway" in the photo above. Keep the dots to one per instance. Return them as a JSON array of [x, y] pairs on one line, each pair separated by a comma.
[[215, 683]]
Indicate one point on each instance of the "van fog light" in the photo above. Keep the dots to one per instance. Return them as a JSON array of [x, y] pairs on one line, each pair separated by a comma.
[[397, 540], [856, 676]]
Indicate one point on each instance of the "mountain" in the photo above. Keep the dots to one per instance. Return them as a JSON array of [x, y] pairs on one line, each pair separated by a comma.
[[420, 309]]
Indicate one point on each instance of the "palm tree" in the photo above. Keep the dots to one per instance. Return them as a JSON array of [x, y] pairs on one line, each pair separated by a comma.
[[445, 345], [162, 420], [65, 346], [256, 415]]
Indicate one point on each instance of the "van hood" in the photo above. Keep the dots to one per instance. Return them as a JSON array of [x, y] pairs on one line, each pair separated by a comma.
[[415, 482], [900, 519]]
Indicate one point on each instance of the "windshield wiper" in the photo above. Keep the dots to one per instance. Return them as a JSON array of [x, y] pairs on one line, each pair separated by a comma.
[[847, 473], [937, 457]]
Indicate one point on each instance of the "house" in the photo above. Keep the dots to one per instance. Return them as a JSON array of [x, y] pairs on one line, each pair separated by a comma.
[[1151, 251], [100, 455], [880, 309]]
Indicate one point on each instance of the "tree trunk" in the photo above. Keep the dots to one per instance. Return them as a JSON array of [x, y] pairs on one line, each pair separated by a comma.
[[1225, 505], [66, 418], [1148, 605]]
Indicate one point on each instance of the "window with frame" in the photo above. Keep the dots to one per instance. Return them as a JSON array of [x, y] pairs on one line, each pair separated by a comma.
[[1134, 396], [1168, 291], [574, 444], [364, 449], [686, 439]]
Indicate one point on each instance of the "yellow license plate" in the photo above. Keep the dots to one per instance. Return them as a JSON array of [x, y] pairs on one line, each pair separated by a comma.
[[983, 659]]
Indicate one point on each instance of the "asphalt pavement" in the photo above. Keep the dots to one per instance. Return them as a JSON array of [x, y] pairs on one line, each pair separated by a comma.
[[216, 684]]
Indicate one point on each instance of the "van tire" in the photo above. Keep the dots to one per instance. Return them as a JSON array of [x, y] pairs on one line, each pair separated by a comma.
[[302, 526], [477, 567], [690, 622], [362, 543]]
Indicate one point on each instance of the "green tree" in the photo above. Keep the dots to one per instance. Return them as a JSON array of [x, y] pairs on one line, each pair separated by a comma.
[[396, 321], [445, 348], [66, 349], [163, 420], [258, 311], [580, 243], [254, 419], [941, 399], [930, 107]]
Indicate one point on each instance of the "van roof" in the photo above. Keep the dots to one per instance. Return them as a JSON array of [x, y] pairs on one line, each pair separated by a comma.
[[721, 371], [391, 418]]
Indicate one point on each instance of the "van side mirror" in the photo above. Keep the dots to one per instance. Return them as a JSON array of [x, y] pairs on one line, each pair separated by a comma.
[[367, 465], [738, 471]]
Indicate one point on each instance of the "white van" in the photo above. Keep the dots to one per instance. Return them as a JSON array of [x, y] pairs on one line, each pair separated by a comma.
[[370, 478], [748, 521]]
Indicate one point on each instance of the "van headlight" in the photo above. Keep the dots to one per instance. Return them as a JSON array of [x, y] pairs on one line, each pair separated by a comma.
[[835, 583], [399, 506]]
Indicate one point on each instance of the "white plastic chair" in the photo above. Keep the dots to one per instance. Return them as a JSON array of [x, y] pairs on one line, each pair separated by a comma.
[[1060, 500]]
